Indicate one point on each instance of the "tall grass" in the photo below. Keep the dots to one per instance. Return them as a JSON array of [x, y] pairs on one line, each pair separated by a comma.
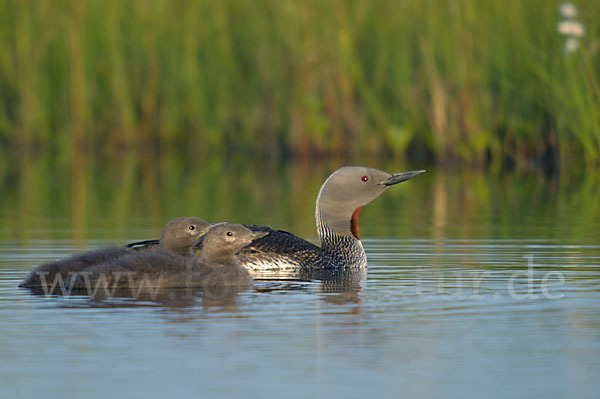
[[478, 81]]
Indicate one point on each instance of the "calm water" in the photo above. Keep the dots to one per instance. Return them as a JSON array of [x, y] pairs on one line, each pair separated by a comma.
[[477, 286]]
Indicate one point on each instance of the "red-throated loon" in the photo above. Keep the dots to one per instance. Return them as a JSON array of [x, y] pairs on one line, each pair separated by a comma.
[[177, 236], [214, 265], [345, 192]]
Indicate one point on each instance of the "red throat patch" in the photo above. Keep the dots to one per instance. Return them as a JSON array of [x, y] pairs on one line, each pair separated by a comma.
[[354, 223]]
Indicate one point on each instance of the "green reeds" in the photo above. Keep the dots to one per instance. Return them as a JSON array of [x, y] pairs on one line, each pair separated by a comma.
[[477, 81]]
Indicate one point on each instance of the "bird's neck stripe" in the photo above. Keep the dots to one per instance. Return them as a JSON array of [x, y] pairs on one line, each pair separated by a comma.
[[354, 223]]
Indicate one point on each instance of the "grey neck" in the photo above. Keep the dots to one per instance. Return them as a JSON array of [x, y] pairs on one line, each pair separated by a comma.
[[344, 249]]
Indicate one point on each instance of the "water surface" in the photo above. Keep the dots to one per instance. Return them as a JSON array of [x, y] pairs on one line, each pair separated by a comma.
[[477, 286]]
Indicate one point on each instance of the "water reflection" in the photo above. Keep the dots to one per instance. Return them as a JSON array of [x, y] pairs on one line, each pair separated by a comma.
[[336, 286], [449, 296], [90, 197], [211, 297]]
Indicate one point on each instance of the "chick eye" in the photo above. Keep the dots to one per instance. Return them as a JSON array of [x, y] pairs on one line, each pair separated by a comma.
[[192, 227], [229, 233], [364, 179]]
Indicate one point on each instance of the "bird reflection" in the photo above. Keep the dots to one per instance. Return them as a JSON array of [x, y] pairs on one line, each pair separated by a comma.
[[207, 297], [339, 286]]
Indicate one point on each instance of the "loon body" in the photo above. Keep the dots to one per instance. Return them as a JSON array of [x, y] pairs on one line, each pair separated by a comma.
[[177, 237], [214, 265], [345, 192], [280, 250]]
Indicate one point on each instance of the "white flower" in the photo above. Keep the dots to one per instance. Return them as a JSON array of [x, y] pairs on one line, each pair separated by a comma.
[[571, 28], [568, 10], [571, 45]]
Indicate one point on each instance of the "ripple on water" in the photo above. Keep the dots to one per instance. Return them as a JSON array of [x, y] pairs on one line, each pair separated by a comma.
[[441, 308]]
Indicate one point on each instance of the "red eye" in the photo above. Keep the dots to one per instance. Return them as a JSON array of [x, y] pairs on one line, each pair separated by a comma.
[[364, 179]]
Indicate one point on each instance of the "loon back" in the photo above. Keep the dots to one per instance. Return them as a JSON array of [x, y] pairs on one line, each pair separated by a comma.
[[280, 250]]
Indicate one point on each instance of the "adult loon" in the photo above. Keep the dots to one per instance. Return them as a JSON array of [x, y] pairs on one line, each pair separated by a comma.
[[177, 236], [214, 265], [339, 202]]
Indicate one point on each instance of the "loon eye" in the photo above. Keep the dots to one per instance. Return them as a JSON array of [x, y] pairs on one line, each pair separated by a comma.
[[229, 233], [192, 227], [364, 179]]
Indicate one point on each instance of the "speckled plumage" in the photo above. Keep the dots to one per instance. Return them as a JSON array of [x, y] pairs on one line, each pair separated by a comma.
[[280, 250]]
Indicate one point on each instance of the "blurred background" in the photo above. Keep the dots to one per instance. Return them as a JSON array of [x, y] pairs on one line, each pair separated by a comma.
[[161, 108], [117, 116]]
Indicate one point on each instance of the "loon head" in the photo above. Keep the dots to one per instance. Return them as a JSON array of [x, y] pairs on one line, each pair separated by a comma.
[[347, 190], [180, 234], [223, 241]]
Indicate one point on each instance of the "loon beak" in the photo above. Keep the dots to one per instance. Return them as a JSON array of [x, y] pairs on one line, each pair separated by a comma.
[[198, 244], [400, 177], [259, 234]]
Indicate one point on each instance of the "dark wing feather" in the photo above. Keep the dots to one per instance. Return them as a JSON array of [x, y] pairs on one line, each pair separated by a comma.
[[281, 250], [143, 244]]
